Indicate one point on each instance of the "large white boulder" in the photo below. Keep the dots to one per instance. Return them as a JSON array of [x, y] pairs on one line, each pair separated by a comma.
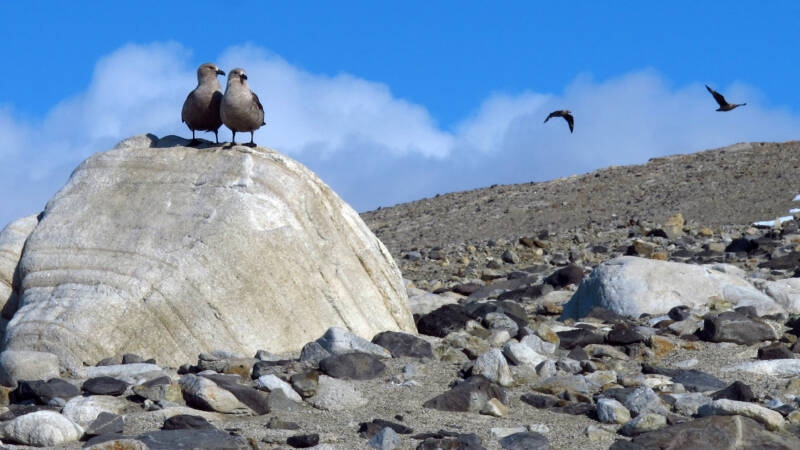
[[167, 251], [12, 240], [632, 286]]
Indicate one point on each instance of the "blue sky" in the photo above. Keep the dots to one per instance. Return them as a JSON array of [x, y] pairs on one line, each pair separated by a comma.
[[395, 101]]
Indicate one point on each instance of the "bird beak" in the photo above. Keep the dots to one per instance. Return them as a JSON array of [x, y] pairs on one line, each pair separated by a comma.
[[220, 72], [244, 76]]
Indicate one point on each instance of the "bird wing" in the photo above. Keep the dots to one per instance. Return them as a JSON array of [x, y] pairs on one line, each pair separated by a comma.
[[570, 120], [186, 106], [258, 103], [549, 116], [717, 96]]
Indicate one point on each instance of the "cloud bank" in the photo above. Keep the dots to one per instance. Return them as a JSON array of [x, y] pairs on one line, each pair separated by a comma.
[[374, 148]]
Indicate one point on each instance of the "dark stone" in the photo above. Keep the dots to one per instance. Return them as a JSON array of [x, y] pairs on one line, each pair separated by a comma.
[[279, 424], [528, 440], [578, 354], [462, 396], [623, 335], [575, 409], [693, 380], [606, 315], [729, 432], [742, 245], [785, 262], [186, 422], [369, 429], [105, 423], [541, 401], [256, 400], [657, 232], [43, 392], [775, 350], [467, 288], [313, 352], [105, 386], [352, 366], [563, 277], [303, 440], [403, 344], [679, 313], [174, 439], [747, 311], [444, 440], [442, 321], [579, 337], [735, 391], [132, 358], [730, 326]]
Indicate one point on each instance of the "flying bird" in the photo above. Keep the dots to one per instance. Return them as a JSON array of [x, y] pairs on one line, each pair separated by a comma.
[[201, 108], [723, 104], [566, 114], [240, 109]]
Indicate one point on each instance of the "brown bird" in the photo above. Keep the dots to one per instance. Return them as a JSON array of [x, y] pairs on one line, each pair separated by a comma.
[[566, 114], [723, 104], [201, 108], [240, 109]]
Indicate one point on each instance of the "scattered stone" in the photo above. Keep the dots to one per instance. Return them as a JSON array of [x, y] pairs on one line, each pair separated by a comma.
[[579, 337], [693, 380], [186, 422], [312, 352], [44, 392], [41, 429], [528, 440], [468, 396], [644, 400], [134, 374], [773, 420], [333, 394], [27, 365], [494, 367], [85, 410], [643, 423], [105, 423], [442, 321], [369, 429], [272, 383], [104, 386], [385, 439], [521, 354], [159, 389], [735, 391], [610, 410], [305, 383], [202, 393], [303, 440], [403, 344], [338, 341], [352, 366], [776, 350], [563, 277], [256, 400], [731, 326]]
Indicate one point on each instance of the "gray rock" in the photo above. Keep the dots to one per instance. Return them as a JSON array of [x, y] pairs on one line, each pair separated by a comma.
[[643, 423], [335, 395], [104, 386], [41, 429], [338, 341], [468, 396], [205, 394], [494, 367], [612, 411], [18, 365], [500, 321], [632, 286], [510, 257], [558, 384], [403, 344], [253, 398], [186, 422], [773, 420], [305, 383], [731, 326], [272, 383], [782, 368], [385, 439], [734, 432], [206, 439], [85, 410], [687, 404], [644, 400], [528, 440], [171, 236], [540, 345], [159, 389], [352, 366], [313, 352], [522, 355], [785, 292], [43, 392], [129, 373], [105, 423]]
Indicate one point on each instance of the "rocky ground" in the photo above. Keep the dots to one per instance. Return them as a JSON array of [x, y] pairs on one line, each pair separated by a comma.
[[502, 261]]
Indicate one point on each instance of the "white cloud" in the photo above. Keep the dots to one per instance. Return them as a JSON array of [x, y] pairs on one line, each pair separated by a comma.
[[373, 148]]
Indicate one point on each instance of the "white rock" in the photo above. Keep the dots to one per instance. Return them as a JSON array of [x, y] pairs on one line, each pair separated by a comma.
[[782, 368], [169, 252], [336, 395], [521, 354], [539, 345], [84, 410], [338, 341], [786, 292], [136, 373], [41, 429], [493, 366], [612, 411], [632, 286], [207, 395], [422, 302], [498, 433], [27, 365], [12, 240], [773, 420], [271, 383]]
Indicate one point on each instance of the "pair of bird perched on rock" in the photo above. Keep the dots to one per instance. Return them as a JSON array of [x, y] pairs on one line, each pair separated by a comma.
[[207, 108], [723, 106]]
